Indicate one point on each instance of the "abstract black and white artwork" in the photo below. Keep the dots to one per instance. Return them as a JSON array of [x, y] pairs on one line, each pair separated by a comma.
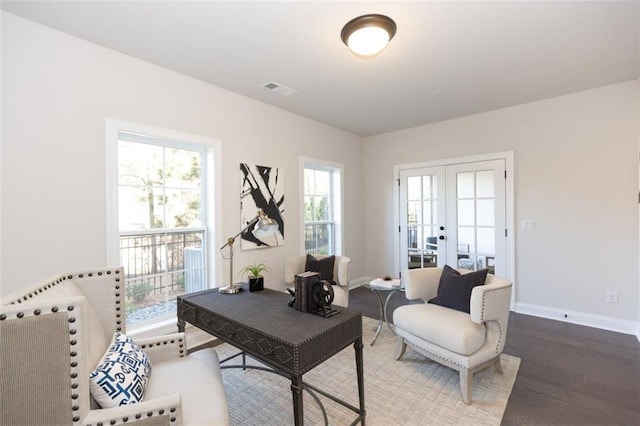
[[261, 187]]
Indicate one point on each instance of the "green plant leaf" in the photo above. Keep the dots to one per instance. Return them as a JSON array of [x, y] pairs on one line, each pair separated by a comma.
[[255, 270]]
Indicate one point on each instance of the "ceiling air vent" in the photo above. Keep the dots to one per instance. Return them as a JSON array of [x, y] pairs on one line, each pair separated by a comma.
[[279, 88]]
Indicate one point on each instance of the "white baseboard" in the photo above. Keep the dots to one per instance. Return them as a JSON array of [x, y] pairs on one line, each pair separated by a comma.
[[581, 318], [358, 282]]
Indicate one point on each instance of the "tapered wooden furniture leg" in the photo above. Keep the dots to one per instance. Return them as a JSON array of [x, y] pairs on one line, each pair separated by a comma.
[[466, 382], [497, 365]]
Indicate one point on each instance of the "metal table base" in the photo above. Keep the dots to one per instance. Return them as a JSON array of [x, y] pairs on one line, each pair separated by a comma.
[[382, 318]]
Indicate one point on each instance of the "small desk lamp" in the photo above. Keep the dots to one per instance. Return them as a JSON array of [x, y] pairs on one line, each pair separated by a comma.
[[263, 226]]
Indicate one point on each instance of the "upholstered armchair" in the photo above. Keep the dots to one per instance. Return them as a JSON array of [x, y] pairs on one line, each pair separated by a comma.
[[341, 270], [467, 342], [54, 335]]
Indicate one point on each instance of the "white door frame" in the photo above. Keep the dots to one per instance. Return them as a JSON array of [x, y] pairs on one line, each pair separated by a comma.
[[509, 204]]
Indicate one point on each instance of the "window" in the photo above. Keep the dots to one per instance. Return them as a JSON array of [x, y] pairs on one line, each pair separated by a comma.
[[162, 215], [322, 208]]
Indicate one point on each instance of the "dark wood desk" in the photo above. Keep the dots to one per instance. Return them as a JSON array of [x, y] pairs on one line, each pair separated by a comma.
[[289, 341]]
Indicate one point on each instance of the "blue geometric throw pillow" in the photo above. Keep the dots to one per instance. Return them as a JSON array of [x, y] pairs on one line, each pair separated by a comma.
[[121, 376]]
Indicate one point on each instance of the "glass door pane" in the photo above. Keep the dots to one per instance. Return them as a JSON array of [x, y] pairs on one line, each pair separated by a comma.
[[475, 190], [454, 215], [420, 216], [474, 222]]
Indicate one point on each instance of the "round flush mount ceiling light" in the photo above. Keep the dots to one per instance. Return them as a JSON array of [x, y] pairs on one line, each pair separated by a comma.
[[368, 35]]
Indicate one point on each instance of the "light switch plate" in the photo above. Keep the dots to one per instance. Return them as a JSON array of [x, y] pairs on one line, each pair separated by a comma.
[[528, 224]]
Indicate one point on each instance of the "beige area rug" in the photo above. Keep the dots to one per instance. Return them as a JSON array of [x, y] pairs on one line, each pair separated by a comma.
[[412, 391]]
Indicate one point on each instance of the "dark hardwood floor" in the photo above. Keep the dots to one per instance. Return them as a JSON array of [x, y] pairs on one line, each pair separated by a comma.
[[569, 374]]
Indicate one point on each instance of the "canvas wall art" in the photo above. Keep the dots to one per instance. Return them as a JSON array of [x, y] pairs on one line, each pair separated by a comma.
[[261, 187]]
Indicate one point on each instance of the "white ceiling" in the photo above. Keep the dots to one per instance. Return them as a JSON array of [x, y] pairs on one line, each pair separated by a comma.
[[448, 59]]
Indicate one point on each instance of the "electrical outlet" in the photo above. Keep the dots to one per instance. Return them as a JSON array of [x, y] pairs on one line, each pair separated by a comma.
[[612, 297]]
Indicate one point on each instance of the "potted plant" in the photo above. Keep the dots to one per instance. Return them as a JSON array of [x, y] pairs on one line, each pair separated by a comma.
[[254, 273]]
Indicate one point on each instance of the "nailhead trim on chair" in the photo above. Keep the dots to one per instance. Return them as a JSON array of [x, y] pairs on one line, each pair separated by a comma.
[[436, 357], [73, 342], [500, 336], [72, 331], [500, 333], [138, 416], [166, 342], [74, 375], [118, 315], [117, 310], [39, 290], [432, 353], [73, 354]]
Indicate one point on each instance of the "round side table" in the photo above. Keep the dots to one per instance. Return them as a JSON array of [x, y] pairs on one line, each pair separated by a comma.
[[381, 288]]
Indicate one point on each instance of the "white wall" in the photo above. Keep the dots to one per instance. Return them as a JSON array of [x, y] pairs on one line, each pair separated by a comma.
[[576, 162], [57, 92], [576, 175]]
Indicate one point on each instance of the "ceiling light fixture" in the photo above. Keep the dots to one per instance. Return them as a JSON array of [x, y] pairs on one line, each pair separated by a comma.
[[368, 35]]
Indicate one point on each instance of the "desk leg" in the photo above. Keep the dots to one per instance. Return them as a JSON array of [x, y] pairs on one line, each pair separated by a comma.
[[296, 389], [360, 371]]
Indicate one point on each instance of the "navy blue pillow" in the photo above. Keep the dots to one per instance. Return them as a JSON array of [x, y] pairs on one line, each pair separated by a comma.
[[323, 266], [454, 290]]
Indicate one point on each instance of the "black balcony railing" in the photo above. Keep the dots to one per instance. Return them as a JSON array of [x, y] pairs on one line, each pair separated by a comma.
[[318, 238], [158, 267]]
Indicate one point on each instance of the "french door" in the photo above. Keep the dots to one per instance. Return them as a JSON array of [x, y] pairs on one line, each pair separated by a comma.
[[454, 215]]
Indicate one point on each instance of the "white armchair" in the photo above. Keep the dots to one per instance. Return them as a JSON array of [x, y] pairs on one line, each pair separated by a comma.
[[54, 335], [467, 342], [341, 270]]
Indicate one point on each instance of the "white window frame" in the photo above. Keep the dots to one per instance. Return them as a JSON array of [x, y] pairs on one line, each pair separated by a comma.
[[212, 220], [337, 199]]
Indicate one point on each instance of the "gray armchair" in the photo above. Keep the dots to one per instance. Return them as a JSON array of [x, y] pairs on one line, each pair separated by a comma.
[[467, 342], [54, 335]]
